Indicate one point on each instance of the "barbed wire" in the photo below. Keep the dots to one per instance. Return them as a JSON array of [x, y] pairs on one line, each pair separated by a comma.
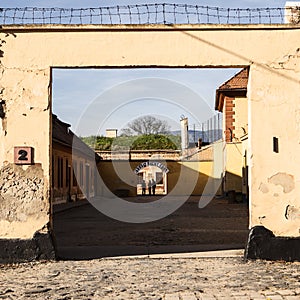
[[142, 14]]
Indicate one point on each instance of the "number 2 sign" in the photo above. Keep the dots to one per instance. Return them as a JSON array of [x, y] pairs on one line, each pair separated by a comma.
[[23, 155]]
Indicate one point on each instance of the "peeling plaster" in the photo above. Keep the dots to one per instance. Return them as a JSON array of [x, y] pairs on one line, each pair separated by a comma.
[[286, 181], [263, 188], [292, 213], [22, 193], [261, 218], [4, 120], [2, 89], [1, 44], [288, 62]]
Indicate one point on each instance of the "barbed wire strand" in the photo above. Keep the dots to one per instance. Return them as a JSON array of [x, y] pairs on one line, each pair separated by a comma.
[[144, 14]]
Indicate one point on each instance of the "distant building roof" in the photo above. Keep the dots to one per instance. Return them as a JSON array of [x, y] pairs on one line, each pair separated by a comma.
[[62, 134], [235, 86]]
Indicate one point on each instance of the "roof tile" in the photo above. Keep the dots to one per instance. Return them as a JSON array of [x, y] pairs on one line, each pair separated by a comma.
[[238, 81]]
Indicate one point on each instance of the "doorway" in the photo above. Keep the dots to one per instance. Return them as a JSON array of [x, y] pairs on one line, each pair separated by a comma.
[[149, 173], [186, 229]]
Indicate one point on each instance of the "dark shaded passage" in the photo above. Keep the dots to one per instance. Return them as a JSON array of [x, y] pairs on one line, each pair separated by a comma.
[[82, 232]]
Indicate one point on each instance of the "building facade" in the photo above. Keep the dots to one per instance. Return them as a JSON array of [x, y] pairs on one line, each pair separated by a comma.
[[73, 171], [271, 51], [231, 100]]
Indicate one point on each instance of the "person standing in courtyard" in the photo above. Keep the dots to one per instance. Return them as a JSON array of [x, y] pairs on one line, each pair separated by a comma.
[[149, 187], [153, 186], [143, 187]]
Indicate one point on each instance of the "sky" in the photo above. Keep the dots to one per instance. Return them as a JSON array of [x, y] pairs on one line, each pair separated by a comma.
[[92, 100], [95, 99], [97, 3]]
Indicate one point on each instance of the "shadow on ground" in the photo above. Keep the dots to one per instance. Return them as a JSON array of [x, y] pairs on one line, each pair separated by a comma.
[[82, 232]]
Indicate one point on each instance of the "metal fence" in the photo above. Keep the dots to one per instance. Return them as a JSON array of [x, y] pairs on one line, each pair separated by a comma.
[[142, 14], [209, 131]]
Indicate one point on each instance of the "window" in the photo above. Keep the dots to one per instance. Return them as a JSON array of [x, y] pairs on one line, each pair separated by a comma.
[[61, 172], [92, 179], [58, 172], [74, 173], [275, 145], [81, 174], [67, 173], [53, 171]]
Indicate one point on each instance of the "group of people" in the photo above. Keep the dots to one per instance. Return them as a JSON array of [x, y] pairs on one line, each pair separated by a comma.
[[151, 187]]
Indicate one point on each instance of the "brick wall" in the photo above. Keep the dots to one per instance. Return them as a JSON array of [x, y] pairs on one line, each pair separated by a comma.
[[229, 118]]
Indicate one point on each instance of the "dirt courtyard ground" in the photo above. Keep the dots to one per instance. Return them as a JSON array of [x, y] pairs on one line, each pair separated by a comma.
[[82, 232]]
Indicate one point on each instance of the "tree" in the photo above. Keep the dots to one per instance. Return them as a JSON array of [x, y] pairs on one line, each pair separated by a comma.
[[141, 142], [146, 125], [156, 141]]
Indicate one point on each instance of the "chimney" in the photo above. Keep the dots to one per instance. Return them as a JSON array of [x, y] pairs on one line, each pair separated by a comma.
[[184, 133]]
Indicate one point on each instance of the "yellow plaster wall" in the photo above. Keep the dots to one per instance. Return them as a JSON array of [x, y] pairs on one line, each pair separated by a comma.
[[272, 51], [234, 165], [184, 178], [240, 117], [275, 177]]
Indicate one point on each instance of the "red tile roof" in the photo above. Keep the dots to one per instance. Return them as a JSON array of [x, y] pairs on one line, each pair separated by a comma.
[[235, 86], [238, 81]]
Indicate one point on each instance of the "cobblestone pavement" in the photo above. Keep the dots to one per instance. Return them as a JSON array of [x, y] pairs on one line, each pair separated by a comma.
[[152, 278]]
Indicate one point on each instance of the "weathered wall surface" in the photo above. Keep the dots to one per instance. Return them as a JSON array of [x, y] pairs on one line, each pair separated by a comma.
[[28, 53], [25, 191], [275, 177], [22, 201]]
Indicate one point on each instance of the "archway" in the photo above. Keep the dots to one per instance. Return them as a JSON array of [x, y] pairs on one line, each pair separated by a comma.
[[148, 171]]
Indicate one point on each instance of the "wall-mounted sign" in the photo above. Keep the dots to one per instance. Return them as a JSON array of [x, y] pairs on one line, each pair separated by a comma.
[[23, 155], [151, 163]]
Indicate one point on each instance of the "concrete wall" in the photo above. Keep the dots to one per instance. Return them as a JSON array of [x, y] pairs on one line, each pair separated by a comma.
[[272, 51]]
